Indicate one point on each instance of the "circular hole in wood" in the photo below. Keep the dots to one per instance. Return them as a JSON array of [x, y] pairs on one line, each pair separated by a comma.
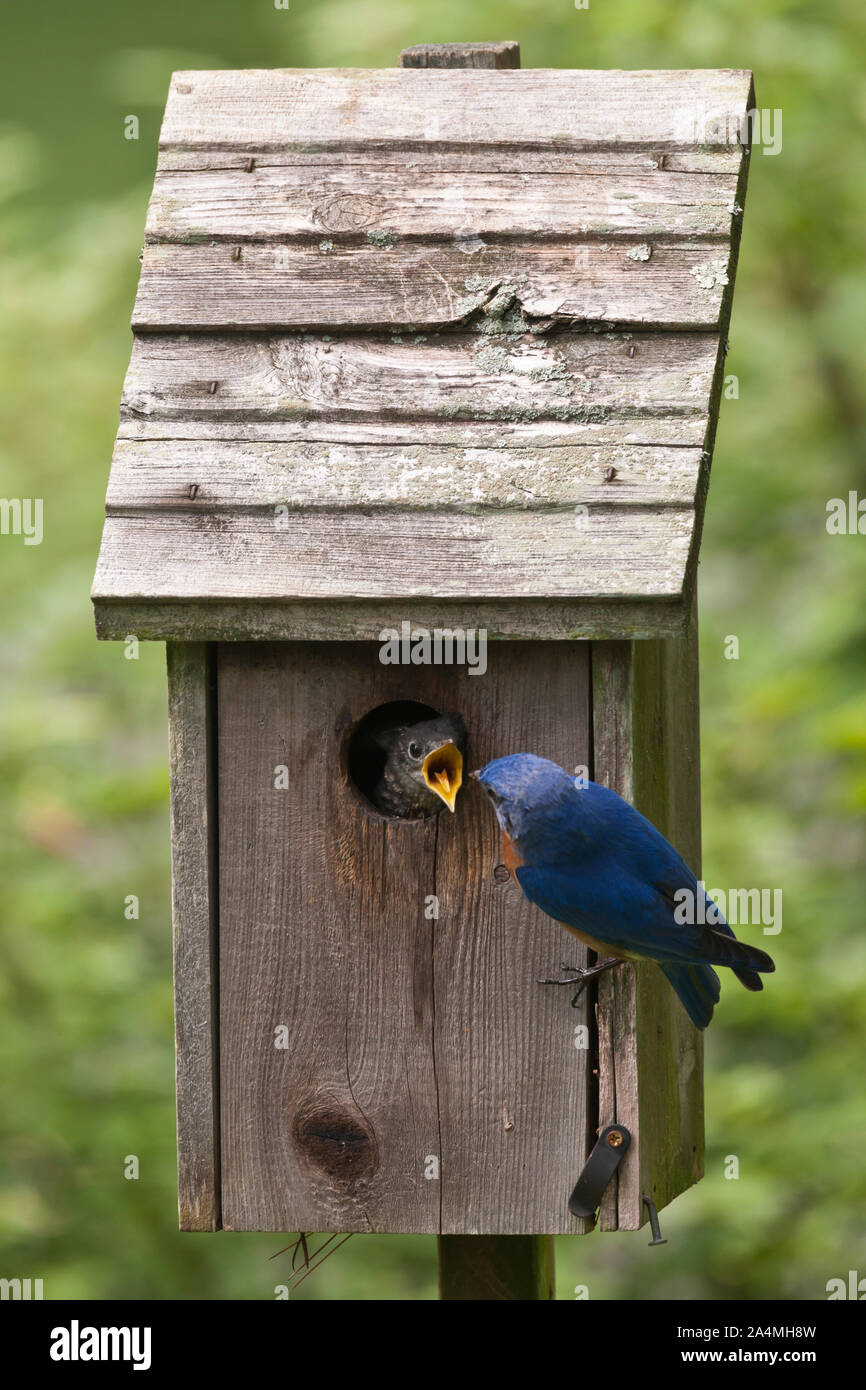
[[387, 752]]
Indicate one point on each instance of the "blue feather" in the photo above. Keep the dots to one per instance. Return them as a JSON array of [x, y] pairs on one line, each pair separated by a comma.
[[698, 989], [595, 864]]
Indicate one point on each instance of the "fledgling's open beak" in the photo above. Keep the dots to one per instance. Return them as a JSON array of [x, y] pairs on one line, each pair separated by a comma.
[[443, 772]]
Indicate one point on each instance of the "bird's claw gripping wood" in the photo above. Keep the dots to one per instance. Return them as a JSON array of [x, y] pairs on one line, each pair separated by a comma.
[[581, 976]]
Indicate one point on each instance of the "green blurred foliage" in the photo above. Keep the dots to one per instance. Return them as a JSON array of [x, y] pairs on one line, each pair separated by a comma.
[[85, 1014]]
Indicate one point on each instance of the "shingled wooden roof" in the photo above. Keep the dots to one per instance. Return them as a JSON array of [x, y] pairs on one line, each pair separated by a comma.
[[437, 344]]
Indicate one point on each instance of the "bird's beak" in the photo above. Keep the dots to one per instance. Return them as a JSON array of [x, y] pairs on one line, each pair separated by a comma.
[[443, 772]]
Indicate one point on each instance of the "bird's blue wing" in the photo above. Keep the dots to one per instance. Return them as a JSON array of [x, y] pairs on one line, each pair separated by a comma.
[[645, 852], [631, 916], [605, 827], [629, 841], [614, 908]]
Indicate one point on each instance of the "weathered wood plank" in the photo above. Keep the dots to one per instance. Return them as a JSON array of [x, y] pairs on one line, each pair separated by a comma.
[[430, 284], [234, 476], [325, 138], [271, 202], [630, 431], [613, 766], [645, 715], [323, 930], [194, 931], [604, 552], [513, 1086], [616, 162], [223, 620], [323, 933], [459, 375], [667, 790], [577, 109]]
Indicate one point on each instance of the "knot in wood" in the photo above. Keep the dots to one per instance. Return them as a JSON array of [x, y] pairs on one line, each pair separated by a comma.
[[335, 1138], [348, 212]]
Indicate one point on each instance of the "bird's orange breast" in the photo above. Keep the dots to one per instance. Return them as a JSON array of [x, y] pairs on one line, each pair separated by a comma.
[[511, 857]]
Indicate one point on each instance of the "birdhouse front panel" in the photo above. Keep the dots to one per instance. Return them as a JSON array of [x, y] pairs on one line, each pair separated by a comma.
[[387, 1058], [438, 350]]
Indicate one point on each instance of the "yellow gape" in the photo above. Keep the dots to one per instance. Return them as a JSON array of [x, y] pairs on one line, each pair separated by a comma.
[[443, 772]]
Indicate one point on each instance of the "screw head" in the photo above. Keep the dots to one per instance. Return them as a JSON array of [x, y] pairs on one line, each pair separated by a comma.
[[501, 874], [614, 1139]]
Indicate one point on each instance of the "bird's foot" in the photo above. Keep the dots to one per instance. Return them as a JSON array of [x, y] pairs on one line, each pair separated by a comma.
[[581, 976], [576, 971]]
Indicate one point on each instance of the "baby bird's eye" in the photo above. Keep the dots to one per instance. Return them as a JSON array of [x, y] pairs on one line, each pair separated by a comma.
[[414, 750]]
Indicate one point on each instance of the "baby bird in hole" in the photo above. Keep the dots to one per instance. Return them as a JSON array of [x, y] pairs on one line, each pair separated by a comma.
[[422, 766]]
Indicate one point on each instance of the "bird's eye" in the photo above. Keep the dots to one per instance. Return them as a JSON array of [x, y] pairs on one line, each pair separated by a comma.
[[414, 750]]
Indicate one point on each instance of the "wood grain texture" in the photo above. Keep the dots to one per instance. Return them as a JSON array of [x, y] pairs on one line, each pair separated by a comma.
[[438, 378], [646, 731], [407, 1037], [194, 916], [421, 284], [323, 932], [610, 161], [222, 620], [629, 430], [505, 54], [271, 201], [572, 109], [607, 552], [233, 476]]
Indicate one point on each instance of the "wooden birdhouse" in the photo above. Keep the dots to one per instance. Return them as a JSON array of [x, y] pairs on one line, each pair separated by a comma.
[[436, 349]]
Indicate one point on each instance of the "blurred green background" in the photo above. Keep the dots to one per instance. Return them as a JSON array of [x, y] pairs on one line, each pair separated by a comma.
[[85, 1015]]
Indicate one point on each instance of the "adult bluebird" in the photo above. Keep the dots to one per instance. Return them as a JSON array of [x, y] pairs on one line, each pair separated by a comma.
[[597, 866]]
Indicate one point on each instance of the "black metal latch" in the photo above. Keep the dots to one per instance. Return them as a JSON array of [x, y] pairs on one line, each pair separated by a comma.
[[610, 1149]]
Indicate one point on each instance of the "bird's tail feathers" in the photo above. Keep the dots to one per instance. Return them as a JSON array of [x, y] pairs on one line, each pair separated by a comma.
[[750, 978], [742, 958], [697, 987]]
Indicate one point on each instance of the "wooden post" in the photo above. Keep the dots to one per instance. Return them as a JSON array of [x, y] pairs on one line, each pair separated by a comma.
[[474, 1268], [462, 55], [490, 1268]]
